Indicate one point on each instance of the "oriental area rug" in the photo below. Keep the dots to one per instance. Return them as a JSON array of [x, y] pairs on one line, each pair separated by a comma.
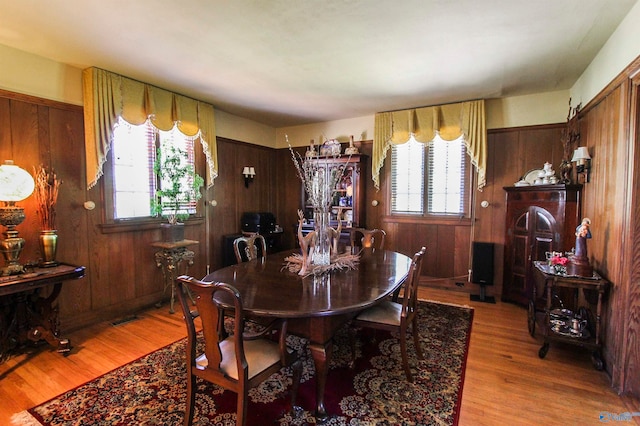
[[374, 391]]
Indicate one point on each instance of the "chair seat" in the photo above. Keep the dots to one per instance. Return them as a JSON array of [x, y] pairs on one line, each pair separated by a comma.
[[387, 312], [260, 355], [238, 362]]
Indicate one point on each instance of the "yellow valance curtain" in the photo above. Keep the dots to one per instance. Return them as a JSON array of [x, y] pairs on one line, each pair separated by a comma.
[[108, 96], [449, 121]]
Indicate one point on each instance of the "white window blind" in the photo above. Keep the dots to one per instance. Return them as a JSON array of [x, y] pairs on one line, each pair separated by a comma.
[[134, 152], [407, 178], [446, 180], [430, 179], [133, 178]]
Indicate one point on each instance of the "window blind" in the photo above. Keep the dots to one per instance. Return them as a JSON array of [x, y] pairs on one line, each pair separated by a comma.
[[407, 183], [446, 177]]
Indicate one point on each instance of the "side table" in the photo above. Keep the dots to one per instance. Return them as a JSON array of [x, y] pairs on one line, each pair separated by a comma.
[[170, 257], [25, 315], [557, 332]]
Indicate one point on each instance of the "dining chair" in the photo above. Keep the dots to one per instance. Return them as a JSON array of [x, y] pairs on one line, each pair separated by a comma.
[[367, 238], [397, 316], [237, 362], [249, 247]]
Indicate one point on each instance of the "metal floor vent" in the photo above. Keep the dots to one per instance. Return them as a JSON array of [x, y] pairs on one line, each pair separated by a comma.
[[125, 320]]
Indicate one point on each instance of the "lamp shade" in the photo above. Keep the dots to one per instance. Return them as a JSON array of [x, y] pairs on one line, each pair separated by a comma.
[[16, 184], [581, 153]]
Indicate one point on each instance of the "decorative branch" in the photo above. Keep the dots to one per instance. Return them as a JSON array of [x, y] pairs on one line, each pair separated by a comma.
[[46, 193], [571, 133], [318, 178]]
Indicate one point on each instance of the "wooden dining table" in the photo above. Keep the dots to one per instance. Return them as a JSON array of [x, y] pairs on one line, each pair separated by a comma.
[[315, 306]]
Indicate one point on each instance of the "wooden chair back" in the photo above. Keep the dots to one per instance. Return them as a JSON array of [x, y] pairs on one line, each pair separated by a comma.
[[397, 317], [249, 247], [367, 238], [224, 361], [410, 295]]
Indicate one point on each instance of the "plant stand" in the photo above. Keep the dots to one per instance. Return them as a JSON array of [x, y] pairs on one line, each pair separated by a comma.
[[170, 258]]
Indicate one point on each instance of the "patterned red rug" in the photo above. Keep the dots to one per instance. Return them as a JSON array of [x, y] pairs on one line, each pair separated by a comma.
[[152, 389]]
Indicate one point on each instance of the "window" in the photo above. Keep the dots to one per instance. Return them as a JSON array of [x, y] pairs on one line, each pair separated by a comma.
[[430, 179], [134, 151], [407, 178]]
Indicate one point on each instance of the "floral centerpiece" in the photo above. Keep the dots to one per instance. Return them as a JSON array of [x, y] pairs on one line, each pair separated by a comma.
[[320, 180], [46, 193], [558, 263]]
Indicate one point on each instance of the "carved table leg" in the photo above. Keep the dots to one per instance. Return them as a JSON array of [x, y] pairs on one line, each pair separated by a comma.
[[45, 323], [321, 355], [33, 318]]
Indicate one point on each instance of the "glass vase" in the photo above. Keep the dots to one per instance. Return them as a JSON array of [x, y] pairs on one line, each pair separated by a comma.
[[322, 250]]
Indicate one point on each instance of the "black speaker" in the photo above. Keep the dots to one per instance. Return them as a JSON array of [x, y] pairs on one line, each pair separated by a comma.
[[482, 269]]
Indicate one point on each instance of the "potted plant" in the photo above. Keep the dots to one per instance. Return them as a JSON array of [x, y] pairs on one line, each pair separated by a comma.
[[46, 190], [179, 186]]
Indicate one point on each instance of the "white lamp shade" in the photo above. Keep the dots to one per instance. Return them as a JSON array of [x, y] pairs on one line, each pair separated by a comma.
[[245, 171], [581, 153], [16, 184], [252, 171]]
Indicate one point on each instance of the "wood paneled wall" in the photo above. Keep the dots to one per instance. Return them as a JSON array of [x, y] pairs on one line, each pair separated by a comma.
[[609, 128], [511, 153], [121, 274], [232, 197]]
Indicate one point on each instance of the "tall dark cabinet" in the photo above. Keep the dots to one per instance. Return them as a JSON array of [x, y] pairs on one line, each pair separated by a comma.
[[348, 197], [540, 218], [350, 190]]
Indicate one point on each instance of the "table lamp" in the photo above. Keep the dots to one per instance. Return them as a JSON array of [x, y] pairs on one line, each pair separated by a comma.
[[16, 184]]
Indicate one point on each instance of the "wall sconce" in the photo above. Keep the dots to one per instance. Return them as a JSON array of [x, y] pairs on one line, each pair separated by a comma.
[[249, 173], [16, 184], [583, 163]]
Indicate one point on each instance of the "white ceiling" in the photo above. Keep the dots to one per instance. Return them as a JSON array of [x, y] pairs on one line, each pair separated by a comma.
[[290, 62]]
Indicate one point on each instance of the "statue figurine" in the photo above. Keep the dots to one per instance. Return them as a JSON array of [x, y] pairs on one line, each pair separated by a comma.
[[579, 262], [351, 150], [334, 234], [307, 243], [311, 151]]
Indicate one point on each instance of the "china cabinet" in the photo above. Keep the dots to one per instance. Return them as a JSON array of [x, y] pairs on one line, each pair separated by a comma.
[[349, 196], [539, 219]]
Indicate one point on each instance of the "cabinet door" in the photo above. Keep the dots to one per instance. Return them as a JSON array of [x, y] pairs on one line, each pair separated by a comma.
[[517, 254], [349, 194], [544, 238], [532, 234]]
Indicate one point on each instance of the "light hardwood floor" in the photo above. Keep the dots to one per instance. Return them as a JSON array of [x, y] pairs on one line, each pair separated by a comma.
[[505, 383]]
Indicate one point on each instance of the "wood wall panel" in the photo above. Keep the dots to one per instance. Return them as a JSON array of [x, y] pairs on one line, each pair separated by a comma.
[[289, 198], [630, 354], [223, 217], [600, 132], [231, 195], [122, 276], [609, 128], [604, 129]]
